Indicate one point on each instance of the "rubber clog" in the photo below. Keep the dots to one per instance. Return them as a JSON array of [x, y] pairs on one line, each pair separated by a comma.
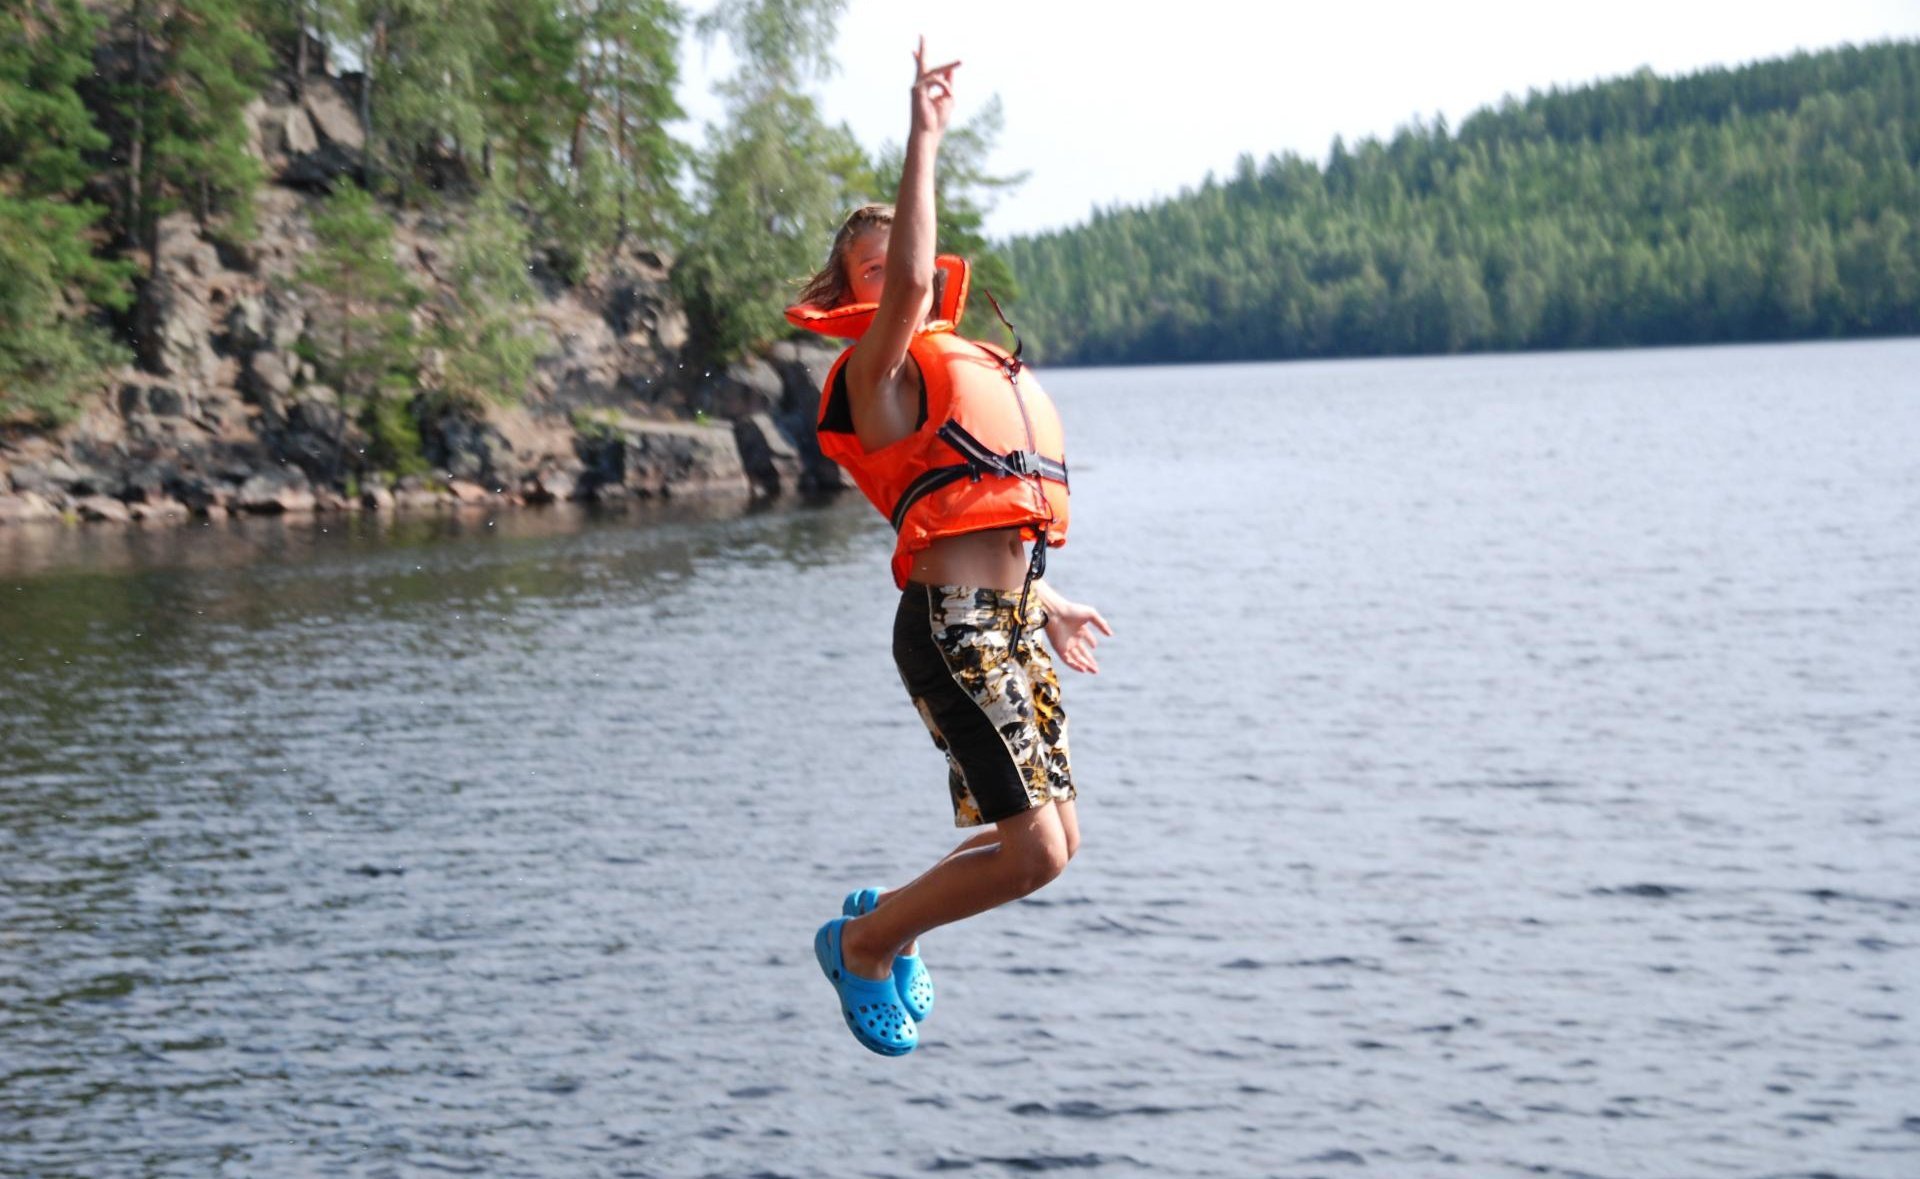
[[872, 1006], [910, 976]]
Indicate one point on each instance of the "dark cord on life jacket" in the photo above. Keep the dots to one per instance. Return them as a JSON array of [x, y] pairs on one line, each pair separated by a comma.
[[1014, 363]]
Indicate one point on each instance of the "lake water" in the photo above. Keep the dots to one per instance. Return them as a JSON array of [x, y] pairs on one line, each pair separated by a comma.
[[1504, 766]]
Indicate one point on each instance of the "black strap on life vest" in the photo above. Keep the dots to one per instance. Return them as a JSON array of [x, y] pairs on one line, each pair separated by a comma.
[[979, 462]]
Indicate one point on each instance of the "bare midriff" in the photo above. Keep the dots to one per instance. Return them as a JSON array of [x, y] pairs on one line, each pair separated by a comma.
[[995, 559]]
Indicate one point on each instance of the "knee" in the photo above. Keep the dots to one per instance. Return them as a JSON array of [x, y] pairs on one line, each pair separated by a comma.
[[1039, 862]]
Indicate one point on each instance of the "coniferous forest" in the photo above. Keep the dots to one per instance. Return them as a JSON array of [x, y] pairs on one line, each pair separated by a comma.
[[1780, 200]]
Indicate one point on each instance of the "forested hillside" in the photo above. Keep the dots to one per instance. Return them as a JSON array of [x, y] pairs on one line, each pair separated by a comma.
[[543, 135], [1780, 200]]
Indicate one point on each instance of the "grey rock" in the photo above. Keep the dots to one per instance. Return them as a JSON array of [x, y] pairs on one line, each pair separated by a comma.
[[671, 331], [665, 459], [247, 324], [803, 367], [272, 492], [46, 478], [267, 380], [102, 508], [175, 316], [332, 114], [148, 482], [157, 399], [770, 459], [160, 509], [283, 130], [25, 506], [203, 495], [468, 447], [549, 484], [743, 388]]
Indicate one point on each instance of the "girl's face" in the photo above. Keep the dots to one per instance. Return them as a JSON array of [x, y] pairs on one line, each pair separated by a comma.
[[866, 263]]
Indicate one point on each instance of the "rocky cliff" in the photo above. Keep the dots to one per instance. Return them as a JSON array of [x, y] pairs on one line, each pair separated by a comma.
[[221, 414]]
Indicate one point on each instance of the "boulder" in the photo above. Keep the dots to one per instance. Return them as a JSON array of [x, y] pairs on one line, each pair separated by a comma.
[[770, 459], [743, 388], [148, 482], [102, 507], [204, 496], [271, 321], [47, 478], [328, 106], [275, 492], [664, 459], [281, 130], [377, 499], [267, 380], [467, 446], [550, 483], [158, 509], [468, 492], [803, 366], [24, 506]]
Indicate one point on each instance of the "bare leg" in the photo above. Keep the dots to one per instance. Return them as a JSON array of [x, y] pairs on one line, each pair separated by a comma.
[[1029, 850], [987, 836]]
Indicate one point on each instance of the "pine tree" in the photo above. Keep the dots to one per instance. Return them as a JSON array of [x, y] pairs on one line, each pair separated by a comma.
[[422, 89], [194, 64], [362, 336], [49, 354]]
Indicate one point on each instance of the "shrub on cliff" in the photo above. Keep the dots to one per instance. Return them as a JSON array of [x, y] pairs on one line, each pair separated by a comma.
[[361, 335]]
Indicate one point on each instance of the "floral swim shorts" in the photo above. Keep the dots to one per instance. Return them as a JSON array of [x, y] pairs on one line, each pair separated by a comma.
[[987, 691]]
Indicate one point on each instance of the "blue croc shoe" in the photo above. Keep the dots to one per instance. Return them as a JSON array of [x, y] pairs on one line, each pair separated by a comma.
[[910, 975], [872, 1006]]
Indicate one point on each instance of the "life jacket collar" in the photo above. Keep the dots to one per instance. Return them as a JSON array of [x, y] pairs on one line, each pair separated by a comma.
[[850, 321]]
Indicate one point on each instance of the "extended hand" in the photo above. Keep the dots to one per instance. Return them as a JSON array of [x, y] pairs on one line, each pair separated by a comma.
[[932, 92], [1071, 628]]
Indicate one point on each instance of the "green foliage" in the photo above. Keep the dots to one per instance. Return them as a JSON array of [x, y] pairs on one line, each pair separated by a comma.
[[595, 425], [775, 180], [482, 327], [425, 61], [776, 184], [49, 354], [393, 435], [192, 66], [1773, 201], [781, 43], [361, 334]]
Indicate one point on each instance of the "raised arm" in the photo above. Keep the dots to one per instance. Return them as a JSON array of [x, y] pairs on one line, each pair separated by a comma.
[[886, 407]]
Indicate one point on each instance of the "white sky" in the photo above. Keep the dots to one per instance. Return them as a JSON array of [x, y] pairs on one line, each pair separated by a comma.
[[1121, 103]]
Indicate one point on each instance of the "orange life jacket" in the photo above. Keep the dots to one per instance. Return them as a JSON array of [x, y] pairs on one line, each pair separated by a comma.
[[988, 454]]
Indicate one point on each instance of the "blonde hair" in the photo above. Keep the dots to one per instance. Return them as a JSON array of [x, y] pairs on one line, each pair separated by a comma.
[[829, 287]]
